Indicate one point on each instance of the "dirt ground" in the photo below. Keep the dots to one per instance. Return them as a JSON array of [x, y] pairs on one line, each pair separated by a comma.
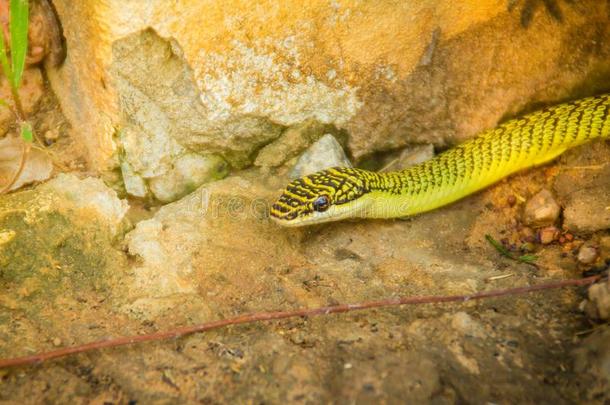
[[63, 281]]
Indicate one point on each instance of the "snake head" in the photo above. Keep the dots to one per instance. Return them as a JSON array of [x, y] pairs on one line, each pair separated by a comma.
[[328, 195]]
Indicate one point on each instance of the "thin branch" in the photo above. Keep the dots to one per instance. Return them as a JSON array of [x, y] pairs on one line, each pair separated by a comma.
[[267, 316]]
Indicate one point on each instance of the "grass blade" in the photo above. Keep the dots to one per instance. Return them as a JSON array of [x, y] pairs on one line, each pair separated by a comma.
[[6, 67], [19, 38], [529, 259], [26, 132]]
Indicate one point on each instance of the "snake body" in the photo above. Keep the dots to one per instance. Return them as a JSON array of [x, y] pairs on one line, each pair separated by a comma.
[[531, 140]]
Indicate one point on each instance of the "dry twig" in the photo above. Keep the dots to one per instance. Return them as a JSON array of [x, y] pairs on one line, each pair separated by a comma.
[[267, 316]]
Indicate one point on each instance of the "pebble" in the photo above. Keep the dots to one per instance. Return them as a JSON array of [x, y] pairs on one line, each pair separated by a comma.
[[587, 254], [541, 209], [323, 154], [598, 305], [57, 342], [548, 235]]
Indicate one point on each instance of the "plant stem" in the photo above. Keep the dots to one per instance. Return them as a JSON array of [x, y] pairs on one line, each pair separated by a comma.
[[267, 316], [24, 156]]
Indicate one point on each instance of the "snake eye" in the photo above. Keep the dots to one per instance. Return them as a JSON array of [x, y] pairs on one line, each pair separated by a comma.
[[321, 203]]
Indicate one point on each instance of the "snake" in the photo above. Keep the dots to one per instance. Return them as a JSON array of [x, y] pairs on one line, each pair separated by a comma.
[[340, 193]]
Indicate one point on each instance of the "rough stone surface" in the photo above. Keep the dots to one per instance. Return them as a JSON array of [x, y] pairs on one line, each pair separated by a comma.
[[541, 210], [325, 153], [189, 172], [57, 238], [389, 74], [598, 306], [292, 142], [583, 189], [587, 254], [92, 195]]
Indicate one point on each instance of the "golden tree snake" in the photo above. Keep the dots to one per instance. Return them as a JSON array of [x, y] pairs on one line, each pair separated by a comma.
[[340, 193]]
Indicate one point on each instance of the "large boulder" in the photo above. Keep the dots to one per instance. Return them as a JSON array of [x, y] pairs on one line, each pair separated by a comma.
[[145, 83]]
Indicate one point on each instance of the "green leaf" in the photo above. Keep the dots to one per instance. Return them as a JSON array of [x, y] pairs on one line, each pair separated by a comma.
[[19, 38], [499, 247], [26, 132], [530, 259], [6, 68]]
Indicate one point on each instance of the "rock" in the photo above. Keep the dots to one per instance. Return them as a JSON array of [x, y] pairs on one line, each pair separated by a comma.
[[59, 237], [598, 305], [92, 195], [587, 254], [194, 233], [548, 235], [134, 184], [541, 209], [583, 188], [37, 166], [410, 157], [390, 75], [292, 142], [325, 153], [587, 212], [189, 172]]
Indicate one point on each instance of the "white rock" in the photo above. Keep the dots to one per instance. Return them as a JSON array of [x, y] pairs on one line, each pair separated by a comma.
[[541, 209], [189, 172], [134, 184], [324, 153], [90, 194]]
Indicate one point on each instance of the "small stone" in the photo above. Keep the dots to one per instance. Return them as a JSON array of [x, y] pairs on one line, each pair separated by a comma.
[[57, 342], [587, 254], [323, 154], [511, 200], [541, 209], [548, 235], [598, 305]]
